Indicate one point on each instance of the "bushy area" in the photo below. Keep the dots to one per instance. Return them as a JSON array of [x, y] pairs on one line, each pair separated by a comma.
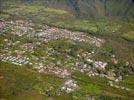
[[23, 83], [129, 36]]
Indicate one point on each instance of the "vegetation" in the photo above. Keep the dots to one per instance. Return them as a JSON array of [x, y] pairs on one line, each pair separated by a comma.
[[129, 36], [18, 82]]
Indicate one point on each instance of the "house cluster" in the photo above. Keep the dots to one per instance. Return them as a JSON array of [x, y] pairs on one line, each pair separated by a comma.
[[55, 33], [19, 27], [9, 42], [113, 59], [99, 64], [90, 70], [69, 86], [82, 67], [17, 60], [28, 47], [90, 65], [52, 69], [97, 41], [117, 86], [2, 25]]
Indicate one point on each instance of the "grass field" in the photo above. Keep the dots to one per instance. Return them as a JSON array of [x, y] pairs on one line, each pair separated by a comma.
[[16, 81], [19, 82]]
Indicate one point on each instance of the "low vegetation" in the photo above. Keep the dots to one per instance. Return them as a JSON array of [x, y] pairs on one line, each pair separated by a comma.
[[129, 36]]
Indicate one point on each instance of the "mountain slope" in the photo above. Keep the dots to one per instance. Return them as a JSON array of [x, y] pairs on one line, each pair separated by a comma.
[[91, 8], [96, 8]]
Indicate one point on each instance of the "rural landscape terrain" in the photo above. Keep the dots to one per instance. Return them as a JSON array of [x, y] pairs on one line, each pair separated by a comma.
[[66, 49]]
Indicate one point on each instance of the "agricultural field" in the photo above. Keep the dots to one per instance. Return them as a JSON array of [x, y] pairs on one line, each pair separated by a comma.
[[48, 53]]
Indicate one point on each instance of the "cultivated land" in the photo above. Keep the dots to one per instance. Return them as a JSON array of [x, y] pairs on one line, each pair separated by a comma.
[[48, 53]]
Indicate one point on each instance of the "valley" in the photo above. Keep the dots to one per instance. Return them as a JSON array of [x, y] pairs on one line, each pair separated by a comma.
[[48, 53]]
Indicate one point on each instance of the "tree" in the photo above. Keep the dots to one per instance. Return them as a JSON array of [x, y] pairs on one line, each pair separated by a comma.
[[75, 6], [1, 5], [105, 7]]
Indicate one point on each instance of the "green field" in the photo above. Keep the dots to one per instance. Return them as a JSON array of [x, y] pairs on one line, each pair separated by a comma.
[[18, 83]]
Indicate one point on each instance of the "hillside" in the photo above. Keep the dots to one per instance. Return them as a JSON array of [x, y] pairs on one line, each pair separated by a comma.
[[91, 8], [96, 8], [66, 50]]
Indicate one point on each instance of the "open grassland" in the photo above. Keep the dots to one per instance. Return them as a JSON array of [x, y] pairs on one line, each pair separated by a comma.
[[19, 82], [98, 87]]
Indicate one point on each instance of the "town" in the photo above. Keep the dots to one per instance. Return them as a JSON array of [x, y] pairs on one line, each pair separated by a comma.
[[49, 59]]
